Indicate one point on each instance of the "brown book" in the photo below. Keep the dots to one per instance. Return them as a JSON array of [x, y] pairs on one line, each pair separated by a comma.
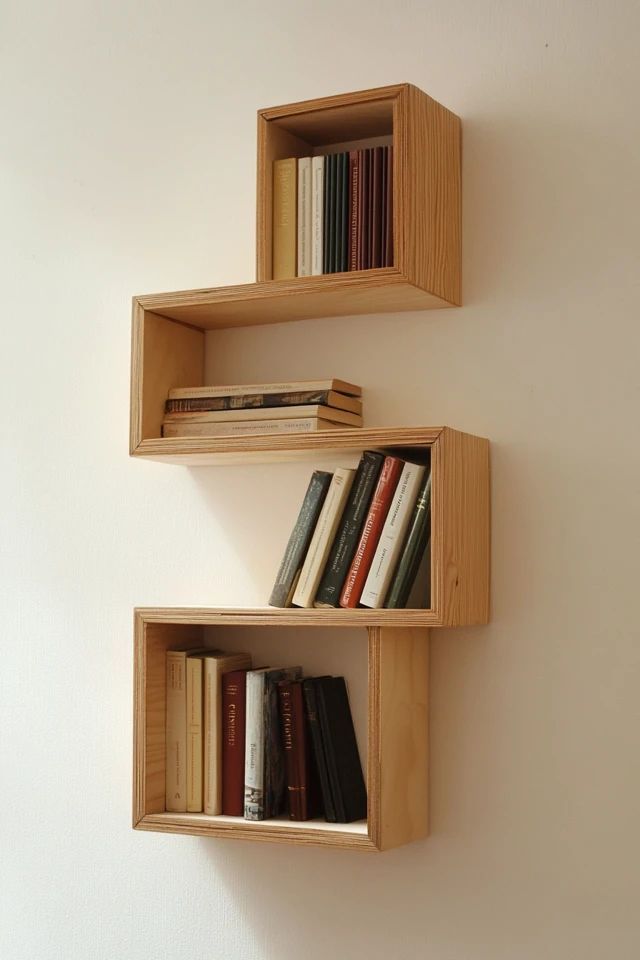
[[376, 209], [363, 557], [234, 703], [354, 187], [302, 788], [370, 202], [362, 154], [388, 256], [285, 239]]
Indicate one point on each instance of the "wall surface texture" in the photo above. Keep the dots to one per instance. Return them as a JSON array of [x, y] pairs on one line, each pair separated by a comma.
[[127, 135]]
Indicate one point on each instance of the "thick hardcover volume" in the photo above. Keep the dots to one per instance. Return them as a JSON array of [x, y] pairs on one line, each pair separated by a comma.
[[304, 217], [343, 263], [354, 188], [323, 536], [291, 564], [343, 760], [319, 754], [338, 195], [388, 261], [362, 181], [294, 386], [413, 549], [301, 785], [329, 183], [249, 427], [176, 733], [215, 665], [330, 398], [392, 537], [234, 695], [284, 219], [194, 734], [264, 413], [317, 214], [363, 557], [376, 218], [349, 529], [275, 780]]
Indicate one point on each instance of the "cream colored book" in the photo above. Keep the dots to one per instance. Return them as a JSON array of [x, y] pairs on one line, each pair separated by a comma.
[[194, 734], [249, 427], [267, 413], [215, 664], [285, 386], [284, 218], [323, 537], [304, 217], [176, 733], [317, 214]]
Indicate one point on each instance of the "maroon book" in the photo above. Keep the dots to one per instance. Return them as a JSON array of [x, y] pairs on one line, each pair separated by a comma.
[[376, 209], [303, 795], [388, 255], [234, 702], [363, 557], [364, 210], [354, 192]]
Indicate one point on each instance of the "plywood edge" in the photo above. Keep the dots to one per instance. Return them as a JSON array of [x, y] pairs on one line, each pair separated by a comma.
[[286, 617], [139, 671], [330, 102], [137, 365]]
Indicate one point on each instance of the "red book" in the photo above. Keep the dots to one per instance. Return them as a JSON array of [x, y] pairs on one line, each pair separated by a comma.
[[363, 557], [354, 192], [234, 700], [302, 787], [376, 209]]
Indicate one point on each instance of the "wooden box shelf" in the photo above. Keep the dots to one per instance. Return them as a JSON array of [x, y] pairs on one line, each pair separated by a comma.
[[394, 739]]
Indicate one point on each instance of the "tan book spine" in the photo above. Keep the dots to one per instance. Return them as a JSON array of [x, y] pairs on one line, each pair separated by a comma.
[[176, 733], [248, 427], [267, 413], [214, 667], [242, 389], [194, 735], [304, 217], [284, 219]]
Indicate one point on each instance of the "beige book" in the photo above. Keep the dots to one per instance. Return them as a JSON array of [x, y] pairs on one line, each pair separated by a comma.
[[194, 734], [215, 664], [248, 427], [267, 413], [284, 219], [176, 733], [244, 389], [304, 217], [323, 537]]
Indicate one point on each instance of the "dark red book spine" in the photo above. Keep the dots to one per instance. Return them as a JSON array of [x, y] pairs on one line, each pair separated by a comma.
[[388, 257], [376, 212], [301, 795], [354, 188], [234, 702], [363, 557]]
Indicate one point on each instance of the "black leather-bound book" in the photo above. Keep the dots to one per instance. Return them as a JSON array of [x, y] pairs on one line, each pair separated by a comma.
[[319, 754], [341, 750], [329, 169]]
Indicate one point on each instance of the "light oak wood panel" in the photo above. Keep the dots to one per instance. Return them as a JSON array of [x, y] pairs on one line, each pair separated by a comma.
[[347, 116]]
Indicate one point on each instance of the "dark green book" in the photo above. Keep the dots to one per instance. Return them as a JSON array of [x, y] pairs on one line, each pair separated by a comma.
[[341, 749], [326, 215], [413, 550], [293, 559], [319, 754]]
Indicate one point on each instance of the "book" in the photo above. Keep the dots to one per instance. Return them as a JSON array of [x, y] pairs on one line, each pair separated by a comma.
[[323, 536], [275, 780], [329, 398], [303, 801], [349, 529], [284, 219], [388, 261], [176, 732], [249, 427], [362, 180], [292, 386], [376, 209], [215, 664], [363, 557], [329, 213], [299, 539], [318, 749], [354, 193], [383, 206], [392, 537], [413, 548], [234, 697], [317, 214], [341, 749], [194, 733], [342, 216], [267, 413], [304, 217]]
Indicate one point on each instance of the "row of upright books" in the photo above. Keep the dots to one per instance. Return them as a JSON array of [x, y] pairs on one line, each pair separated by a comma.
[[361, 538], [333, 213], [259, 743], [303, 406]]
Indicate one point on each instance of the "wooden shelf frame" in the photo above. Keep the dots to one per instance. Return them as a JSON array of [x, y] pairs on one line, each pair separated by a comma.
[[397, 737]]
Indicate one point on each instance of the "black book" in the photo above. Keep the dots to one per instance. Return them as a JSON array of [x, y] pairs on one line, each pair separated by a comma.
[[365, 209], [291, 564], [328, 194], [349, 529], [319, 755], [337, 221], [383, 209], [345, 214], [413, 550], [341, 750]]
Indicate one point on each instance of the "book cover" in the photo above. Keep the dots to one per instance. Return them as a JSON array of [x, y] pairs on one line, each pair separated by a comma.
[[323, 536], [383, 207], [329, 218], [176, 732], [317, 214], [275, 800], [249, 427], [215, 665], [302, 789], [304, 217], [389, 206], [284, 219], [354, 188], [194, 734], [376, 209], [267, 413], [337, 216], [291, 564], [343, 262], [292, 386], [318, 749], [413, 549], [341, 748], [234, 703], [392, 537], [330, 398], [362, 181], [362, 559], [349, 529]]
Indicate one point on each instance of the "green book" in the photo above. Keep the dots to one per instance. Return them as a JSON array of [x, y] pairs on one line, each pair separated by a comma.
[[413, 550]]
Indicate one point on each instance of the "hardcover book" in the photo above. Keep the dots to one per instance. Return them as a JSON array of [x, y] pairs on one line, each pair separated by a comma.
[[267, 413], [354, 193], [284, 219], [301, 783], [292, 386], [243, 428], [319, 752], [317, 214], [343, 760], [194, 734], [304, 217], [329, 398], [234, 702], [413, 549], [216, 664], [176, 732]]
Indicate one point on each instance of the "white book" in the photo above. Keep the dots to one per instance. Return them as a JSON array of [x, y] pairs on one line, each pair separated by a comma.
[[317, 213], [323, 537], [254, 745], [242, 389], [248, 427], [215, 664], [267, 413], [391, 541], [194, 734], [304, 217]]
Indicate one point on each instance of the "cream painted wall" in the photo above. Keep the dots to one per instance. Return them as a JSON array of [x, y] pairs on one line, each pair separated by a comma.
[[128, 153]]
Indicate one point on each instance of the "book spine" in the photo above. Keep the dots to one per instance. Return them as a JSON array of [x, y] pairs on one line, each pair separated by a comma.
[[389, 216], [284, 219], [251, 401], [254, 748], [274, 764], [295, 386], [212, 737], [383, 206], [362, 170], [354, 187], [323, 535], [342, 259], [376, 220], [391, 539], [194, 735], [389, 476], [295, 745], [313, 720], [176, 733], [329, 169], [349, 529], [304, 217], [299, 540], [413, 549], [271, 413], [343, 759], [248, 427], [234, 693], [317, 214]]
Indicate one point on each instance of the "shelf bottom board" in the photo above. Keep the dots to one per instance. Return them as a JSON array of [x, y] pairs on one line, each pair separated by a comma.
[[280, 828]]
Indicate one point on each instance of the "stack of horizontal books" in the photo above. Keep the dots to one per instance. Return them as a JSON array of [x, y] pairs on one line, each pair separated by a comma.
[[361, 538], [333, 213], [303, 406], [259, 743]]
